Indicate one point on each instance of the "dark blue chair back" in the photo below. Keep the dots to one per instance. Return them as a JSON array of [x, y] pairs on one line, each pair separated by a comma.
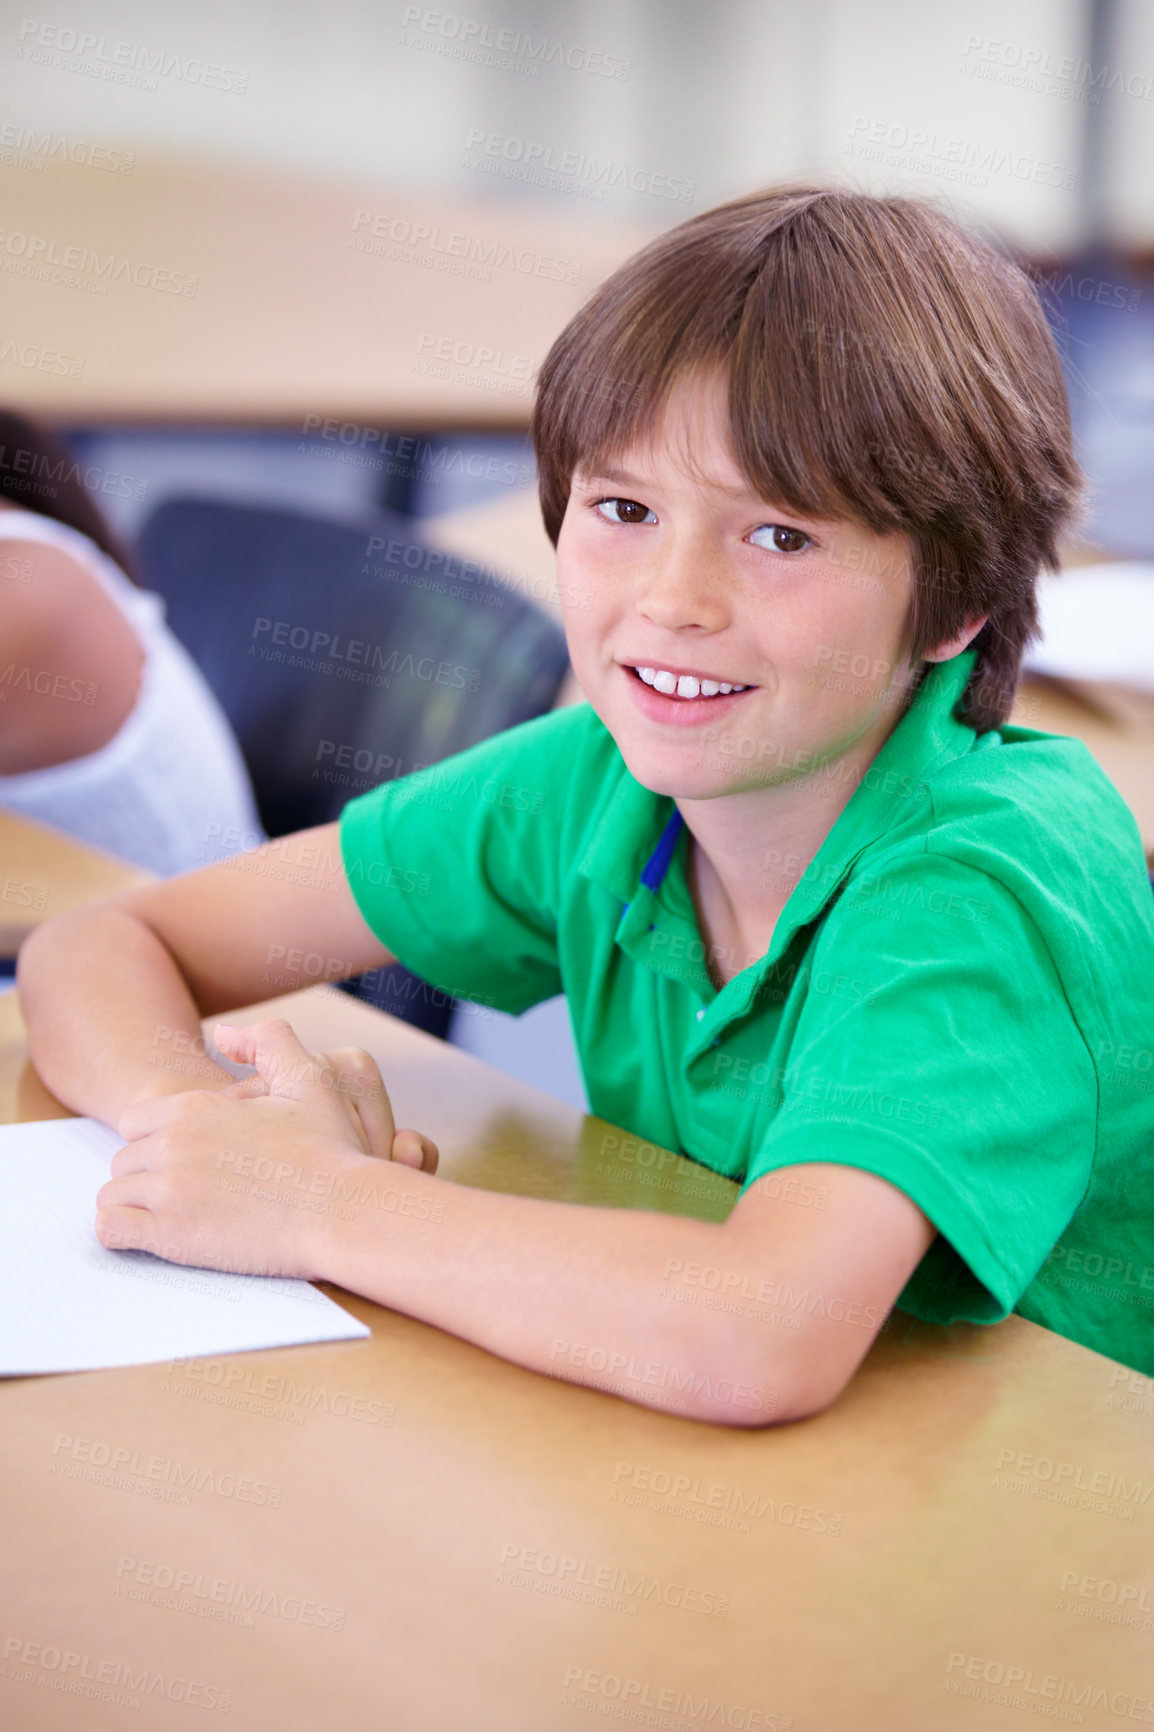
[[344, 654]]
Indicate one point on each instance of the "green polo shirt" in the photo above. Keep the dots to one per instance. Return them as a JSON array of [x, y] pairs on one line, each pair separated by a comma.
[[958, 996]]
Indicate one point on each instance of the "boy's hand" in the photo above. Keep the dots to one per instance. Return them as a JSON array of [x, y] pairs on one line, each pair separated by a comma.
[[243, 1176], [349, 1072], [350, 1075]]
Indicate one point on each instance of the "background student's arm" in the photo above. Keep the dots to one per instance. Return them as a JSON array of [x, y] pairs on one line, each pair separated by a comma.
[[70, 664], [748, 1323], [113, 994]]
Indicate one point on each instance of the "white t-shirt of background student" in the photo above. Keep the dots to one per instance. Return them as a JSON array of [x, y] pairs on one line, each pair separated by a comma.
[[169, 791]]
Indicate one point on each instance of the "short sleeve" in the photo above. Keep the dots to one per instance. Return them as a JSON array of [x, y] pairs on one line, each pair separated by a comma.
[[935, 1047], [455, 867]]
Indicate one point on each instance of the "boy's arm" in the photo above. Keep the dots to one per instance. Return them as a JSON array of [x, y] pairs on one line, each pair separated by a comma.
[[762, 1319], [113, 994], [758, 1320]]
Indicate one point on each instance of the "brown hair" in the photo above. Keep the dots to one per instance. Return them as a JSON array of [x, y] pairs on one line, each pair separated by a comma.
[[38, 473], [884, 366]]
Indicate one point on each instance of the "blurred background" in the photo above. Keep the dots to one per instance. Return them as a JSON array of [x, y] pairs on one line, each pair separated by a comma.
[[280, 276]]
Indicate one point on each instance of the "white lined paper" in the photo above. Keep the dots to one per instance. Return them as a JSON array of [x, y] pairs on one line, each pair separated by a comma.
[[69, 1304]]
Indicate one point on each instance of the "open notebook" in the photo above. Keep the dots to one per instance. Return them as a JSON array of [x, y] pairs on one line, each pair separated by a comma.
[[67, 1304]]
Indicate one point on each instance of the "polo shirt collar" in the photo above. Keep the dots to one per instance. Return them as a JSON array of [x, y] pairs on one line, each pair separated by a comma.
[[637, 850], [928, 734]]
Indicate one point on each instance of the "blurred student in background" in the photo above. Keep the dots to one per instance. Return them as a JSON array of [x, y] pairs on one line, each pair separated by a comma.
[[107, 728]]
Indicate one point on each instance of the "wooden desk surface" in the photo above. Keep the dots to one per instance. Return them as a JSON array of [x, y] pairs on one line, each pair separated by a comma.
[[407, 1532], [44, 872], [189, 290]]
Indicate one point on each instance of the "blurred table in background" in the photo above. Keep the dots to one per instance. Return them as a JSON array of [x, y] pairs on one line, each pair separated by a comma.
[[190, 293]]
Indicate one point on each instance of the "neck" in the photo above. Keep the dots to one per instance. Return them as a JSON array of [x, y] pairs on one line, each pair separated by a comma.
[[748, 850]]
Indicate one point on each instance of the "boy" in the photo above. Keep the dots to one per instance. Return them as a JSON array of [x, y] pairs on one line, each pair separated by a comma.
[[814, 907]]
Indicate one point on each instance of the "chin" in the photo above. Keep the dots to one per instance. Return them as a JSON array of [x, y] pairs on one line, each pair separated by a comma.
[[690, 778]]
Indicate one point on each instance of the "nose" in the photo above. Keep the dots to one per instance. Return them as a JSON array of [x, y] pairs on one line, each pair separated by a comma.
[[680, 588]]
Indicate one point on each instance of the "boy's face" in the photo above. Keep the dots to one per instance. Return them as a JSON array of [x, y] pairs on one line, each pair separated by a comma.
[[671, 564]]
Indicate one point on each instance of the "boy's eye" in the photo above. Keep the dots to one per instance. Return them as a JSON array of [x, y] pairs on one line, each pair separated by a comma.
[[625, 511], [781, 539]]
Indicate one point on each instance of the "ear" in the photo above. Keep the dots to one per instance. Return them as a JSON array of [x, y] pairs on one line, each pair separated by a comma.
[[955, 645]]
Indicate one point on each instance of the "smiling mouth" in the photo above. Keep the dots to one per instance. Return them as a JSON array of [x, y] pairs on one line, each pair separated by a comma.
[[685, 686]]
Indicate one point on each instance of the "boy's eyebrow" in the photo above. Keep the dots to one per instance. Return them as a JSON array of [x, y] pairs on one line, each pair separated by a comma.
[[606, 472], [622, 478]]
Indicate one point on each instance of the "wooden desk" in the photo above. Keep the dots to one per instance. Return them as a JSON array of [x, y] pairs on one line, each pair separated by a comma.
[[194, 291], [44, 872], [501, 1551]]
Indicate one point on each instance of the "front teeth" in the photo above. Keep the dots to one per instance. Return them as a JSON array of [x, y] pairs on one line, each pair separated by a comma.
[[685, 685]]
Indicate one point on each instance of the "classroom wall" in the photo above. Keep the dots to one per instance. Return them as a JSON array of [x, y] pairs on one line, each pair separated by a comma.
[[987, 103]]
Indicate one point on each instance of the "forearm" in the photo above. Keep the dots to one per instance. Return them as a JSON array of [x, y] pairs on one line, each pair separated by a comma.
[[109, 1015], [584, 1294]]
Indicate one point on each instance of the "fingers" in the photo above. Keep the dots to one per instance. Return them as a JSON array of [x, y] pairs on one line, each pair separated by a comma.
[[134, 1157], [281, 1062], [246, 1088], [134, 1187], [143, 1117], [357, 1079], [414, 1149], [124, 1229]]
